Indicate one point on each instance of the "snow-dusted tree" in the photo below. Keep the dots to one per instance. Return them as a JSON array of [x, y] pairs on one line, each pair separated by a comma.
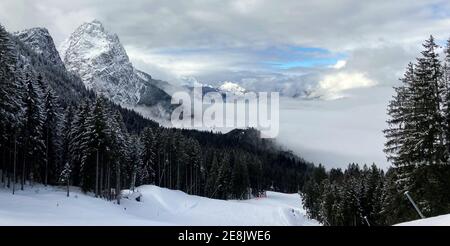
[[180, 160], [415, 136], [194, 166], [239, 177], [66, 128], [98, 140], [64, 176], [352, 192], [118, 150], [51, 136], [212, 176], [10, 102], [33, 143], [147, 174], [223, 181], [428, 119], [66, 171], [78, 142], [135, 162], [446, 96], [401, 134]]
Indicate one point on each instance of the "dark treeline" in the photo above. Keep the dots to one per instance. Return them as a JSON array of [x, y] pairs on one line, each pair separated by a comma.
[[55, 132], [352, 197], [418, 145]]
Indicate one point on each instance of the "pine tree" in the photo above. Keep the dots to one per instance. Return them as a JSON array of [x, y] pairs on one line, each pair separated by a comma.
[[9, 100], [147, 174], [64, 176], [223, 181], [195, 166], [135, 161], [10, 108], [446, 97], [51, 136], [213, 173], [239, 178], [119, 141], [428, 98], [34, 154], [97, 142], [395, 208], [78, 142], [66, 136], [400, 145], [416, 136]]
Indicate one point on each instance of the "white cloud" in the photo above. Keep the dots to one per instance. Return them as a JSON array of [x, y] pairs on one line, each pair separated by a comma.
[[340, 64], [332, 85], [178, 65]]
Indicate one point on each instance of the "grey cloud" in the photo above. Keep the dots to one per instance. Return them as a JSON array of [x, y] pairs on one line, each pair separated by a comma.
[[332, 24]]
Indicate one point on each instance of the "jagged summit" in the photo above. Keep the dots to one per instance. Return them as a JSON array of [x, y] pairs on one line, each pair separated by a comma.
[[233, 88], [41, 42], [99, 58]]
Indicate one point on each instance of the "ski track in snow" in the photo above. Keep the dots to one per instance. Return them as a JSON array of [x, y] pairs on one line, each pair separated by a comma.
[[41, 205]]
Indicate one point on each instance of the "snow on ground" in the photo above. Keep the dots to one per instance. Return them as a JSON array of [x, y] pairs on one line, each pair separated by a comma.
[[442, 220], [159, 206]]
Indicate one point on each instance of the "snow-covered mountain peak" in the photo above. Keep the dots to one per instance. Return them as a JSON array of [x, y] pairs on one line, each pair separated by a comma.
[[93, 45], [41, 42], [232, 88], [100, 60]]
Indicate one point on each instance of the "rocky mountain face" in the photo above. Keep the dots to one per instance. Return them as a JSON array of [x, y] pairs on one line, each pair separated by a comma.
[[37, 56], [40, 41], [100, 60]]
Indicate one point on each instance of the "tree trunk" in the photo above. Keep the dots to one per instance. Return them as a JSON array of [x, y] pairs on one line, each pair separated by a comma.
[[118, 184], [101, 178], [96, 176], [23, 171], [3, 166], [109, 182], [14, 163], [46, 160], [68, 186]]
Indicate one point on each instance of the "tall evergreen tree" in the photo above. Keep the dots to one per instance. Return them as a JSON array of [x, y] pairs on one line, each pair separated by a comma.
[[148, 157], [427, 106], [9, 100], [97, 142], [51, 137], [34, 154], [78, 141], [239, 178]]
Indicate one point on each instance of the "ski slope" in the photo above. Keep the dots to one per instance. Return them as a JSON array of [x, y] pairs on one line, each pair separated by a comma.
[[442, 220], [158, 206]]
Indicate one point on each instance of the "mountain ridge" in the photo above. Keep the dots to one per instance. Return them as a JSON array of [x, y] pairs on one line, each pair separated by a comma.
[[100, 60]]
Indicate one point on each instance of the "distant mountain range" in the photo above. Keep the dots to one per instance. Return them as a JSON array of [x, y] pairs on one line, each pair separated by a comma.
[[97, 56]]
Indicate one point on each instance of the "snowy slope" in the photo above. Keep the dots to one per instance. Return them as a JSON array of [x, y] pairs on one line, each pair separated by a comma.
[[158, 206], [443, 220]]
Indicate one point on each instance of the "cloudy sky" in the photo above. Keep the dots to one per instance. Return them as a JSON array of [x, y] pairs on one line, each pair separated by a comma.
[[348, 52]]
